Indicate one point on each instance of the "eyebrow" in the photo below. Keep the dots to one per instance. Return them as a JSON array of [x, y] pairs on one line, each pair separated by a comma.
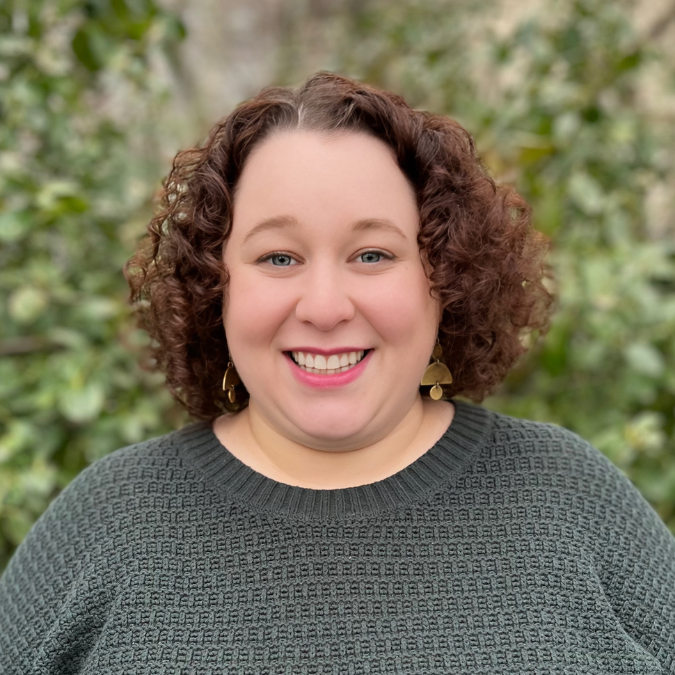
[[274, 223], [283, 222], [378, 224]]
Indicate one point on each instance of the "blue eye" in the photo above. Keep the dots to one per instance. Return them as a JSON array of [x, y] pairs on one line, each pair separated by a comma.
[[280, 259], [371, 257]]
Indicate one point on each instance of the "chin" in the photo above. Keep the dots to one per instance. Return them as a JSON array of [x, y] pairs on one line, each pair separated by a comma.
[[324, 431]]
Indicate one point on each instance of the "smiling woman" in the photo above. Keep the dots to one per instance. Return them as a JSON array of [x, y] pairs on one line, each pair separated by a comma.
[[326, 274]]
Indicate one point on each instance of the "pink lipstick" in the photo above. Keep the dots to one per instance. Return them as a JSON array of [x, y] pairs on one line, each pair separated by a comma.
[[332, 380]]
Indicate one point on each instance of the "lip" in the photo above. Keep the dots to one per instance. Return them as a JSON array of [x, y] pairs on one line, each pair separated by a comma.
[[333, 381]]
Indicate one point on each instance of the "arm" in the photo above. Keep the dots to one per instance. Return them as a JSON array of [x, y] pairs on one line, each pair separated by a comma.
[[634, 556], [53, 594]]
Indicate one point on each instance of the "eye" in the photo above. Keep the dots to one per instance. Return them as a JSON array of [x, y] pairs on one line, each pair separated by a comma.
[[279, 259], [372, 257]]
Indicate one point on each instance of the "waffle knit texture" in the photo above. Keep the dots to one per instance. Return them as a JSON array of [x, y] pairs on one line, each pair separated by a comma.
[[509, 547]]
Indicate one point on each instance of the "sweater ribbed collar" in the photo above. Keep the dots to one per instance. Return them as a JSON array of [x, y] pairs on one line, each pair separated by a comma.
[[216, 465]]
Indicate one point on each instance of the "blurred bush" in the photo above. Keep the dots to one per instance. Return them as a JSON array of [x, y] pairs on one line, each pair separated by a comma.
[[564, 104], [77, 168]]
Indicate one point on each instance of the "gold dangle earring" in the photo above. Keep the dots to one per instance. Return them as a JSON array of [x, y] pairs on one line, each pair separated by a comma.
[[437, 373], [230, 380]]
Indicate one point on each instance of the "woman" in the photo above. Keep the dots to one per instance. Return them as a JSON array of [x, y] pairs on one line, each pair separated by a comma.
[[325, 252]]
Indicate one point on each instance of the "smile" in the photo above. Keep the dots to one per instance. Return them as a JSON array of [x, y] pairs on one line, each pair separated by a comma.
[[327, 365]]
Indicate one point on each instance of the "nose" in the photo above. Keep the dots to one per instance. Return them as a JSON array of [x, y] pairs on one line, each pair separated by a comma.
[[324, 299]]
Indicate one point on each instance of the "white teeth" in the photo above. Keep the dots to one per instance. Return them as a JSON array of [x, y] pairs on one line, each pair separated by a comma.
[[335, 363]]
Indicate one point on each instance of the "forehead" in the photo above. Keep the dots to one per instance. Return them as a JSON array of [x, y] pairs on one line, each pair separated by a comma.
[[310, 175]]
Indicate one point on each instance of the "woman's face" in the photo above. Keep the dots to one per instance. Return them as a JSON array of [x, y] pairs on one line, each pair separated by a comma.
[[325, 270]]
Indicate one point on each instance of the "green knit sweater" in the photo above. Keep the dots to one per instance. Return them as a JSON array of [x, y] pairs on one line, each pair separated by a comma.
[[509, 547]]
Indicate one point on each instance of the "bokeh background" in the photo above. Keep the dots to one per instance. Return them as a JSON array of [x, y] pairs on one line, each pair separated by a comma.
[[572, 101]]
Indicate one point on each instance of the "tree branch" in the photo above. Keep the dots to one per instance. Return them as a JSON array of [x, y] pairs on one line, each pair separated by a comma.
[[27, 344], [659, 27]]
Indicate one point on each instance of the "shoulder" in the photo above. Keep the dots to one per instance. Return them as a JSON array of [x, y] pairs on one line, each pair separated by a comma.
[[563, 464], [157, 459], [554, 458], [512, 437], [113, 498], [128, 481]]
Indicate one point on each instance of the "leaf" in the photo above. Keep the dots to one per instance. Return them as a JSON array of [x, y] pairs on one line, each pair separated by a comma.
[[84, 52], [82, 405], [645, 432], [19, 437], [645, 359], [14, 225], [54, 191], [586, 193], [26, 304], [16, 524]]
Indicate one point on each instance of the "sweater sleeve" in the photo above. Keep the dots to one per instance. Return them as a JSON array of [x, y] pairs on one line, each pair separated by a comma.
[[55, 590], [634, 556]]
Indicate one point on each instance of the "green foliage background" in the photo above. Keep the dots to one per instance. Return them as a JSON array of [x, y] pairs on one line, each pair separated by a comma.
[[565, 105]]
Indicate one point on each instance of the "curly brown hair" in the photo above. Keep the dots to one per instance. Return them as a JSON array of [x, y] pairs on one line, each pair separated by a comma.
[[486, 264]]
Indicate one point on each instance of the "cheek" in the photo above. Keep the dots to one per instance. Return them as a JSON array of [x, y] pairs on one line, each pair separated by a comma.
[[254, 310], [402, 309]]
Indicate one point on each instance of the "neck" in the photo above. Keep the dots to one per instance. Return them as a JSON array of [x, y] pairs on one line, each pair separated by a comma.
[[254, 441]]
